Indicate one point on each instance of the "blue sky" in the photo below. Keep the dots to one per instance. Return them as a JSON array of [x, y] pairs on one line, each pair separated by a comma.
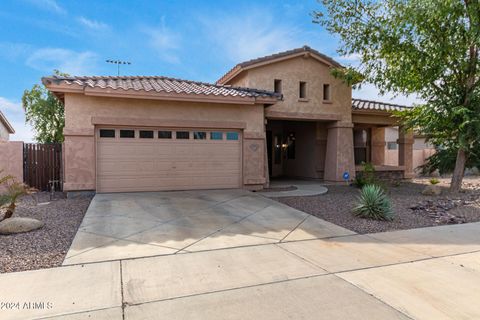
[[197, 40]]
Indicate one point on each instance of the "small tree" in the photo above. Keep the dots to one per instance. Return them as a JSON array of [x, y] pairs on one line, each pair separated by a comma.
[[424, 47], [45, 113]]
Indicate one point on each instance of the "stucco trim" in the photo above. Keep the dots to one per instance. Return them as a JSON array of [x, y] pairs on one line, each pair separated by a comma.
[[281, 115], [377, 118], [253, 135], [172, 123], [79, 132]]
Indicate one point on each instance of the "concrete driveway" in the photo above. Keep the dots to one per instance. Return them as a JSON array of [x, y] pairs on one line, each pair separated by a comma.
[[130, 225], [309, 270]]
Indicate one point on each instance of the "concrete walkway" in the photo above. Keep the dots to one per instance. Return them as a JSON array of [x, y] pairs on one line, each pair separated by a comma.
[[304, 188], [430, 273]]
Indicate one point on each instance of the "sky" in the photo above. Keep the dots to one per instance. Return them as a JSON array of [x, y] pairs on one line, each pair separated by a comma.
[[195, 40]]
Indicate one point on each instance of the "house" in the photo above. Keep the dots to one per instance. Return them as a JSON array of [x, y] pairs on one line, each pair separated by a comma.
[[279, 115], [422, 150], [5, 128]]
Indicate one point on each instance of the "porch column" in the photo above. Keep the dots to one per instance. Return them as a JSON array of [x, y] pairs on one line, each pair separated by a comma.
[[339, 154], [378, 146], [405, 151]]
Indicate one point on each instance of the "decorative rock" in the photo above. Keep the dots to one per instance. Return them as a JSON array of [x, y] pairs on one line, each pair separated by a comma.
[[432, 190], [19, 225]]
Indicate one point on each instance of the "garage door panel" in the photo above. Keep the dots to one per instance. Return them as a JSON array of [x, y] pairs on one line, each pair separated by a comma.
[[167, 164]]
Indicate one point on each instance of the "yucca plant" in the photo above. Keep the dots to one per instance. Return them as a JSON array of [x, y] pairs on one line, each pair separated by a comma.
[[373, 204]]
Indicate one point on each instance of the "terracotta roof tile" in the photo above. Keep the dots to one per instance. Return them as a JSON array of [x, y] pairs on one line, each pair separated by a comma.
[[162, 84], [359, 104]]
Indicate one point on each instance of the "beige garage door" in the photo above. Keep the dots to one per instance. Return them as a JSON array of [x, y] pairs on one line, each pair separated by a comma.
[[132, 159]]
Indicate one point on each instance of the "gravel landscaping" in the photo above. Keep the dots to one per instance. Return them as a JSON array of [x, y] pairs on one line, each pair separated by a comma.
[[412, 209], [46, 247]]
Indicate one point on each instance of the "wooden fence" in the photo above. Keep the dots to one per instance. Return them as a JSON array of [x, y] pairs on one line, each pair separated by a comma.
[[42, 164]]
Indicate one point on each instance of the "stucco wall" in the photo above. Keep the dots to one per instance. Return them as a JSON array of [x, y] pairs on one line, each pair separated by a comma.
[[79, 130], [11, 159], [291, 72], [4, 134]]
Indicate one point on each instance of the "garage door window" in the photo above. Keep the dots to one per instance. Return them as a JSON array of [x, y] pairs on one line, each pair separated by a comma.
[[127, 133], [146, 134], [216, 135], [165, 134], [183, 135], [107, 133], [199, 135], [232, 135]]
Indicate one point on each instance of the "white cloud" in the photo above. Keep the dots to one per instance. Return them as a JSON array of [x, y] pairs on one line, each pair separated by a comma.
[[247, 36], [65, 60], [14, 113], [165, 42], [13, 51], [49, 5], [93, 24], [370, 92]]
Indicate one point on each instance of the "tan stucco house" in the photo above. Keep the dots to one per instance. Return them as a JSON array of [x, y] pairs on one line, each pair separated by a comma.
[[279, 115], [6, 128]]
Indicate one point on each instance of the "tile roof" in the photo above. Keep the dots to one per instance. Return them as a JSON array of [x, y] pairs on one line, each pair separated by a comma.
[[7, 124], [161, 85], [359, 104], [277, 56]]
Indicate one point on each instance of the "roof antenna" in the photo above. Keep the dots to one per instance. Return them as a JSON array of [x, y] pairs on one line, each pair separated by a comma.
[[118, 63]]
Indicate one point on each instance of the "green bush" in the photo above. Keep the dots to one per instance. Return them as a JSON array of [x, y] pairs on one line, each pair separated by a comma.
[[366, 176], [373, 204], [434, 181]]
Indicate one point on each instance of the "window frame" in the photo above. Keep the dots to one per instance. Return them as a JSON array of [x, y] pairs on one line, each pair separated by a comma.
[[100, 133], [277, 86], [177, 132], [143, 131], [165, 138], [127, 130], [327, 92], [302, 90]]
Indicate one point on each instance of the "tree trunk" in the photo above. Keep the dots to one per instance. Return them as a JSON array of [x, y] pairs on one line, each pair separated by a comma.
[[458, 172]]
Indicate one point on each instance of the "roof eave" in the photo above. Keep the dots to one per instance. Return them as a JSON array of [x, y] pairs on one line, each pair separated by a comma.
[[235, 71], [60, 89], [7, 124]]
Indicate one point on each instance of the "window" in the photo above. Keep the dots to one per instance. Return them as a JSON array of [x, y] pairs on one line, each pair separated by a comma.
[[127, 133], [392, 145], [199, 135], [183, 135], [107, 133], [326, 92], [232, 135], [164, 134], [146, 134], [291, 146], [361, 145], [216, 135], [302, 92], [277, 86]]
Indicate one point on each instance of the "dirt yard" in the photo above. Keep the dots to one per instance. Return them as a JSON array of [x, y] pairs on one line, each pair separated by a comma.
[[412, 209], [46, 247]]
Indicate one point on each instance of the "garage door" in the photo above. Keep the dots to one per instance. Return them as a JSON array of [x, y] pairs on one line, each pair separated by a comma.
[[132, 159]]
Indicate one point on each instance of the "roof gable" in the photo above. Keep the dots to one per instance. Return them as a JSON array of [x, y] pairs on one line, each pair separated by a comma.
[[7, 124], [277, 57]]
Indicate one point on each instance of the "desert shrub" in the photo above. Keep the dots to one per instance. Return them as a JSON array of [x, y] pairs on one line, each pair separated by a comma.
[[13, 190], [373, 204], [434, 181], [366, 176]]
